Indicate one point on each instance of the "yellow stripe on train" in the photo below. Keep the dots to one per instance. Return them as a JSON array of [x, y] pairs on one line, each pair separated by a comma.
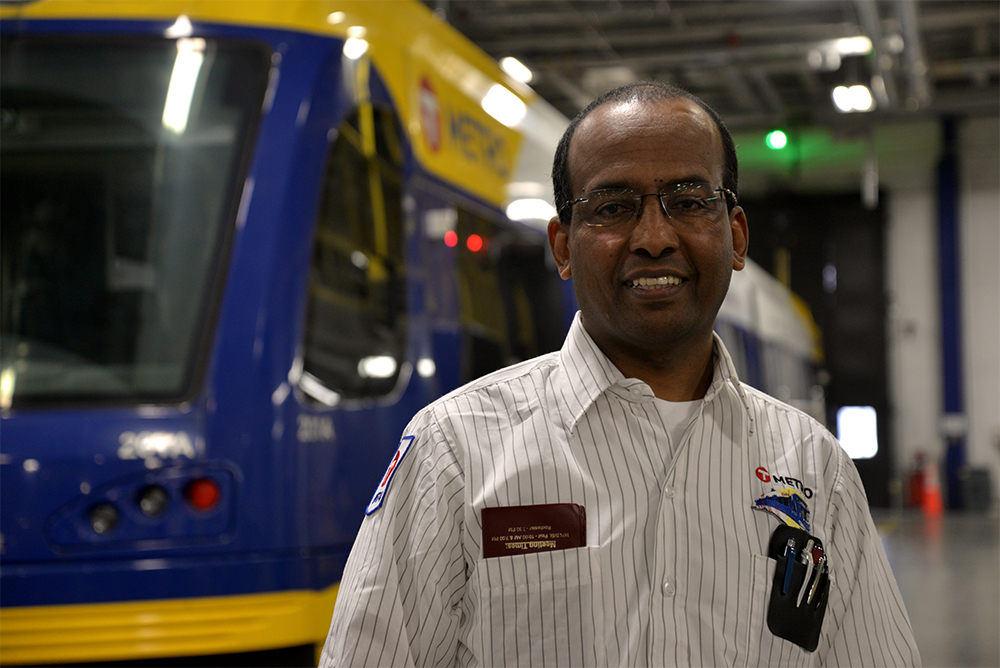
[[164, 628]]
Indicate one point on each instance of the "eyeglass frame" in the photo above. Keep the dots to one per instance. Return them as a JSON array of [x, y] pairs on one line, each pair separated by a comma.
[[731, 201]]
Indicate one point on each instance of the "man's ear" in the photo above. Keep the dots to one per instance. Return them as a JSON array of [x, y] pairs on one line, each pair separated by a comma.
[[559, 244], [741, 237]]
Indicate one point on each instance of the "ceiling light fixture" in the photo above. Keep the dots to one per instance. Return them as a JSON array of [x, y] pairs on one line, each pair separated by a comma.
[[504, 106], [516, 69], [854, 98]]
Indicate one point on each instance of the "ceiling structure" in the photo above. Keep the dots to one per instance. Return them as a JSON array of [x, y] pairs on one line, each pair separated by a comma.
[[760, 63]]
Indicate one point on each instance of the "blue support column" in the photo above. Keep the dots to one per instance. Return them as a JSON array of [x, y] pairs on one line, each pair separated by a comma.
[[953, 421]]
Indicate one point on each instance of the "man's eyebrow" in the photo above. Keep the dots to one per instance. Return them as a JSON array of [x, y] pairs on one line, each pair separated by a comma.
[[625, 185], [610, 185], [697, 180]]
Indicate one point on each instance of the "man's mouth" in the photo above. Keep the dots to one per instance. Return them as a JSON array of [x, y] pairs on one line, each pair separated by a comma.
[[654, 282]]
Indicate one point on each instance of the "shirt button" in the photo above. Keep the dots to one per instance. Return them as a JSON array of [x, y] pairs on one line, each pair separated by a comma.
[[636, 392], [668, 588], [670, 492]]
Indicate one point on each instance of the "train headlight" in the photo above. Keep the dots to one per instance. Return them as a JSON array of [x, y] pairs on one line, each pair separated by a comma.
[[153, 501], [103, 518]]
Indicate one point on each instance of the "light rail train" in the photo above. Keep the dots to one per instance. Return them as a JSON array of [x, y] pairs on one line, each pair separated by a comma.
[[242, 244]]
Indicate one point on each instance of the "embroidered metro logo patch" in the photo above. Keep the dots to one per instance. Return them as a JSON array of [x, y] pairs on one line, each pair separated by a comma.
[[383, 487]]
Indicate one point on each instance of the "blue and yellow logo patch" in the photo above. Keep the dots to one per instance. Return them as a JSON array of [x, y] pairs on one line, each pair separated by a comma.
[[787, 505]]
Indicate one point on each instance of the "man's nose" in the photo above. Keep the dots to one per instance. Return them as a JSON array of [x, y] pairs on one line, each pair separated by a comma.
[[654, 232]]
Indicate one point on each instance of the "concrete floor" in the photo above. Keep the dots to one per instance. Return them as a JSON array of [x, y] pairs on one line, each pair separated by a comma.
[[948, 571]]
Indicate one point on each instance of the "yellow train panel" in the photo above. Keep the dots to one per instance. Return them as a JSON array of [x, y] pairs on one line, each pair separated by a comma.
[[164, 628]]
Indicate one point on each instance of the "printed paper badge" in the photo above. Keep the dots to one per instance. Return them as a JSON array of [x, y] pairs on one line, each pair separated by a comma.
[[788, 504], [383, 487]]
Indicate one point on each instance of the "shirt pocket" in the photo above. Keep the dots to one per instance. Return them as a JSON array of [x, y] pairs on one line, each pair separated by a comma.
[[538, 609], [763, 647]]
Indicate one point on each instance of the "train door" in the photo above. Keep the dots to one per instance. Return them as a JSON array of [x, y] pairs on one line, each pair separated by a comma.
[[355, 338], [355, 385]]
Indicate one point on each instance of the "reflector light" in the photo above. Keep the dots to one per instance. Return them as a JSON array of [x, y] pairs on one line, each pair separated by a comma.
[[474, 243], [103, 518], [153, 501], [450, 239], [202, 493]]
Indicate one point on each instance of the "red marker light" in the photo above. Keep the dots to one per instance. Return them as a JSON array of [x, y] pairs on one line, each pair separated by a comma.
[[474, 243], [202, 493], [450, 238]]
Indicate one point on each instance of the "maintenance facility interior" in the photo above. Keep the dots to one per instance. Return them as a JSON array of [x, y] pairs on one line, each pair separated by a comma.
[[847, 209]]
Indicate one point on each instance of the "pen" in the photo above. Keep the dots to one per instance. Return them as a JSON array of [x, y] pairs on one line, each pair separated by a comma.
[[820, 569], [789, 565], [806, 556]]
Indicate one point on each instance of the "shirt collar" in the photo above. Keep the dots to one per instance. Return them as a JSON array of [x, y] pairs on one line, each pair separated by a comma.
[[589, 374]]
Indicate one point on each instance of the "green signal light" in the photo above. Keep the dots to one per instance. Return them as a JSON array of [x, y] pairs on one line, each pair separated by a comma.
[[776, 139]]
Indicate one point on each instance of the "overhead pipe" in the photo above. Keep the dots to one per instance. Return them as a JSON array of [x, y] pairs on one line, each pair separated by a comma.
[[884, 89], [914, 61]]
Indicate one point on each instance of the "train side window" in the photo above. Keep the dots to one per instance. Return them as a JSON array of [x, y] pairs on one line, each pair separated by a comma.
[[532, 298], [355, 334], [485, 345], [508, 297]]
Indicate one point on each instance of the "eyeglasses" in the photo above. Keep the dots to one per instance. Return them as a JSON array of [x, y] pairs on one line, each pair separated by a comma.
[[688, 203]]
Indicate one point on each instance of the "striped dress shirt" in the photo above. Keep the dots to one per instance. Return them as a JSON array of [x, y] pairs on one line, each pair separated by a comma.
[[675, 569]]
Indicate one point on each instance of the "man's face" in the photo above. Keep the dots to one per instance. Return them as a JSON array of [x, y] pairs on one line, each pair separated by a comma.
[[647, 147]]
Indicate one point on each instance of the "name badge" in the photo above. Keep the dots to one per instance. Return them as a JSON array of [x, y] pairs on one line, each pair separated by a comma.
[[525, 529]]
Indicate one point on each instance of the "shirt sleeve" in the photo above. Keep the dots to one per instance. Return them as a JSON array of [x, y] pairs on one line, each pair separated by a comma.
[[399, 602], [866, 623]]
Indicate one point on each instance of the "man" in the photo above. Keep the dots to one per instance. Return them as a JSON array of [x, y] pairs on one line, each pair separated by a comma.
[[626, 500]]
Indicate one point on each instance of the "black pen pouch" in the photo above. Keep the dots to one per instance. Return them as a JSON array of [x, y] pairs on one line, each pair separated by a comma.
[[786, 618]]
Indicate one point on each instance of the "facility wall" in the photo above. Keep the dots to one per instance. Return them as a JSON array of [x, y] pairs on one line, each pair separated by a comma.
[[914, 296], [980, 248]]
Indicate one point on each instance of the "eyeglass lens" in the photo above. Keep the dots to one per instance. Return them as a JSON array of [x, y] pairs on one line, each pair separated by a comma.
[[687, 203]]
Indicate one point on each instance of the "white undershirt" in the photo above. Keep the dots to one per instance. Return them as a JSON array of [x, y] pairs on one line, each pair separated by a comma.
[[676, 416]]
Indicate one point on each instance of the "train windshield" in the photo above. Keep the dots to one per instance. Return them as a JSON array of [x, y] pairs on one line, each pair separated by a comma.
[[121, 165]]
